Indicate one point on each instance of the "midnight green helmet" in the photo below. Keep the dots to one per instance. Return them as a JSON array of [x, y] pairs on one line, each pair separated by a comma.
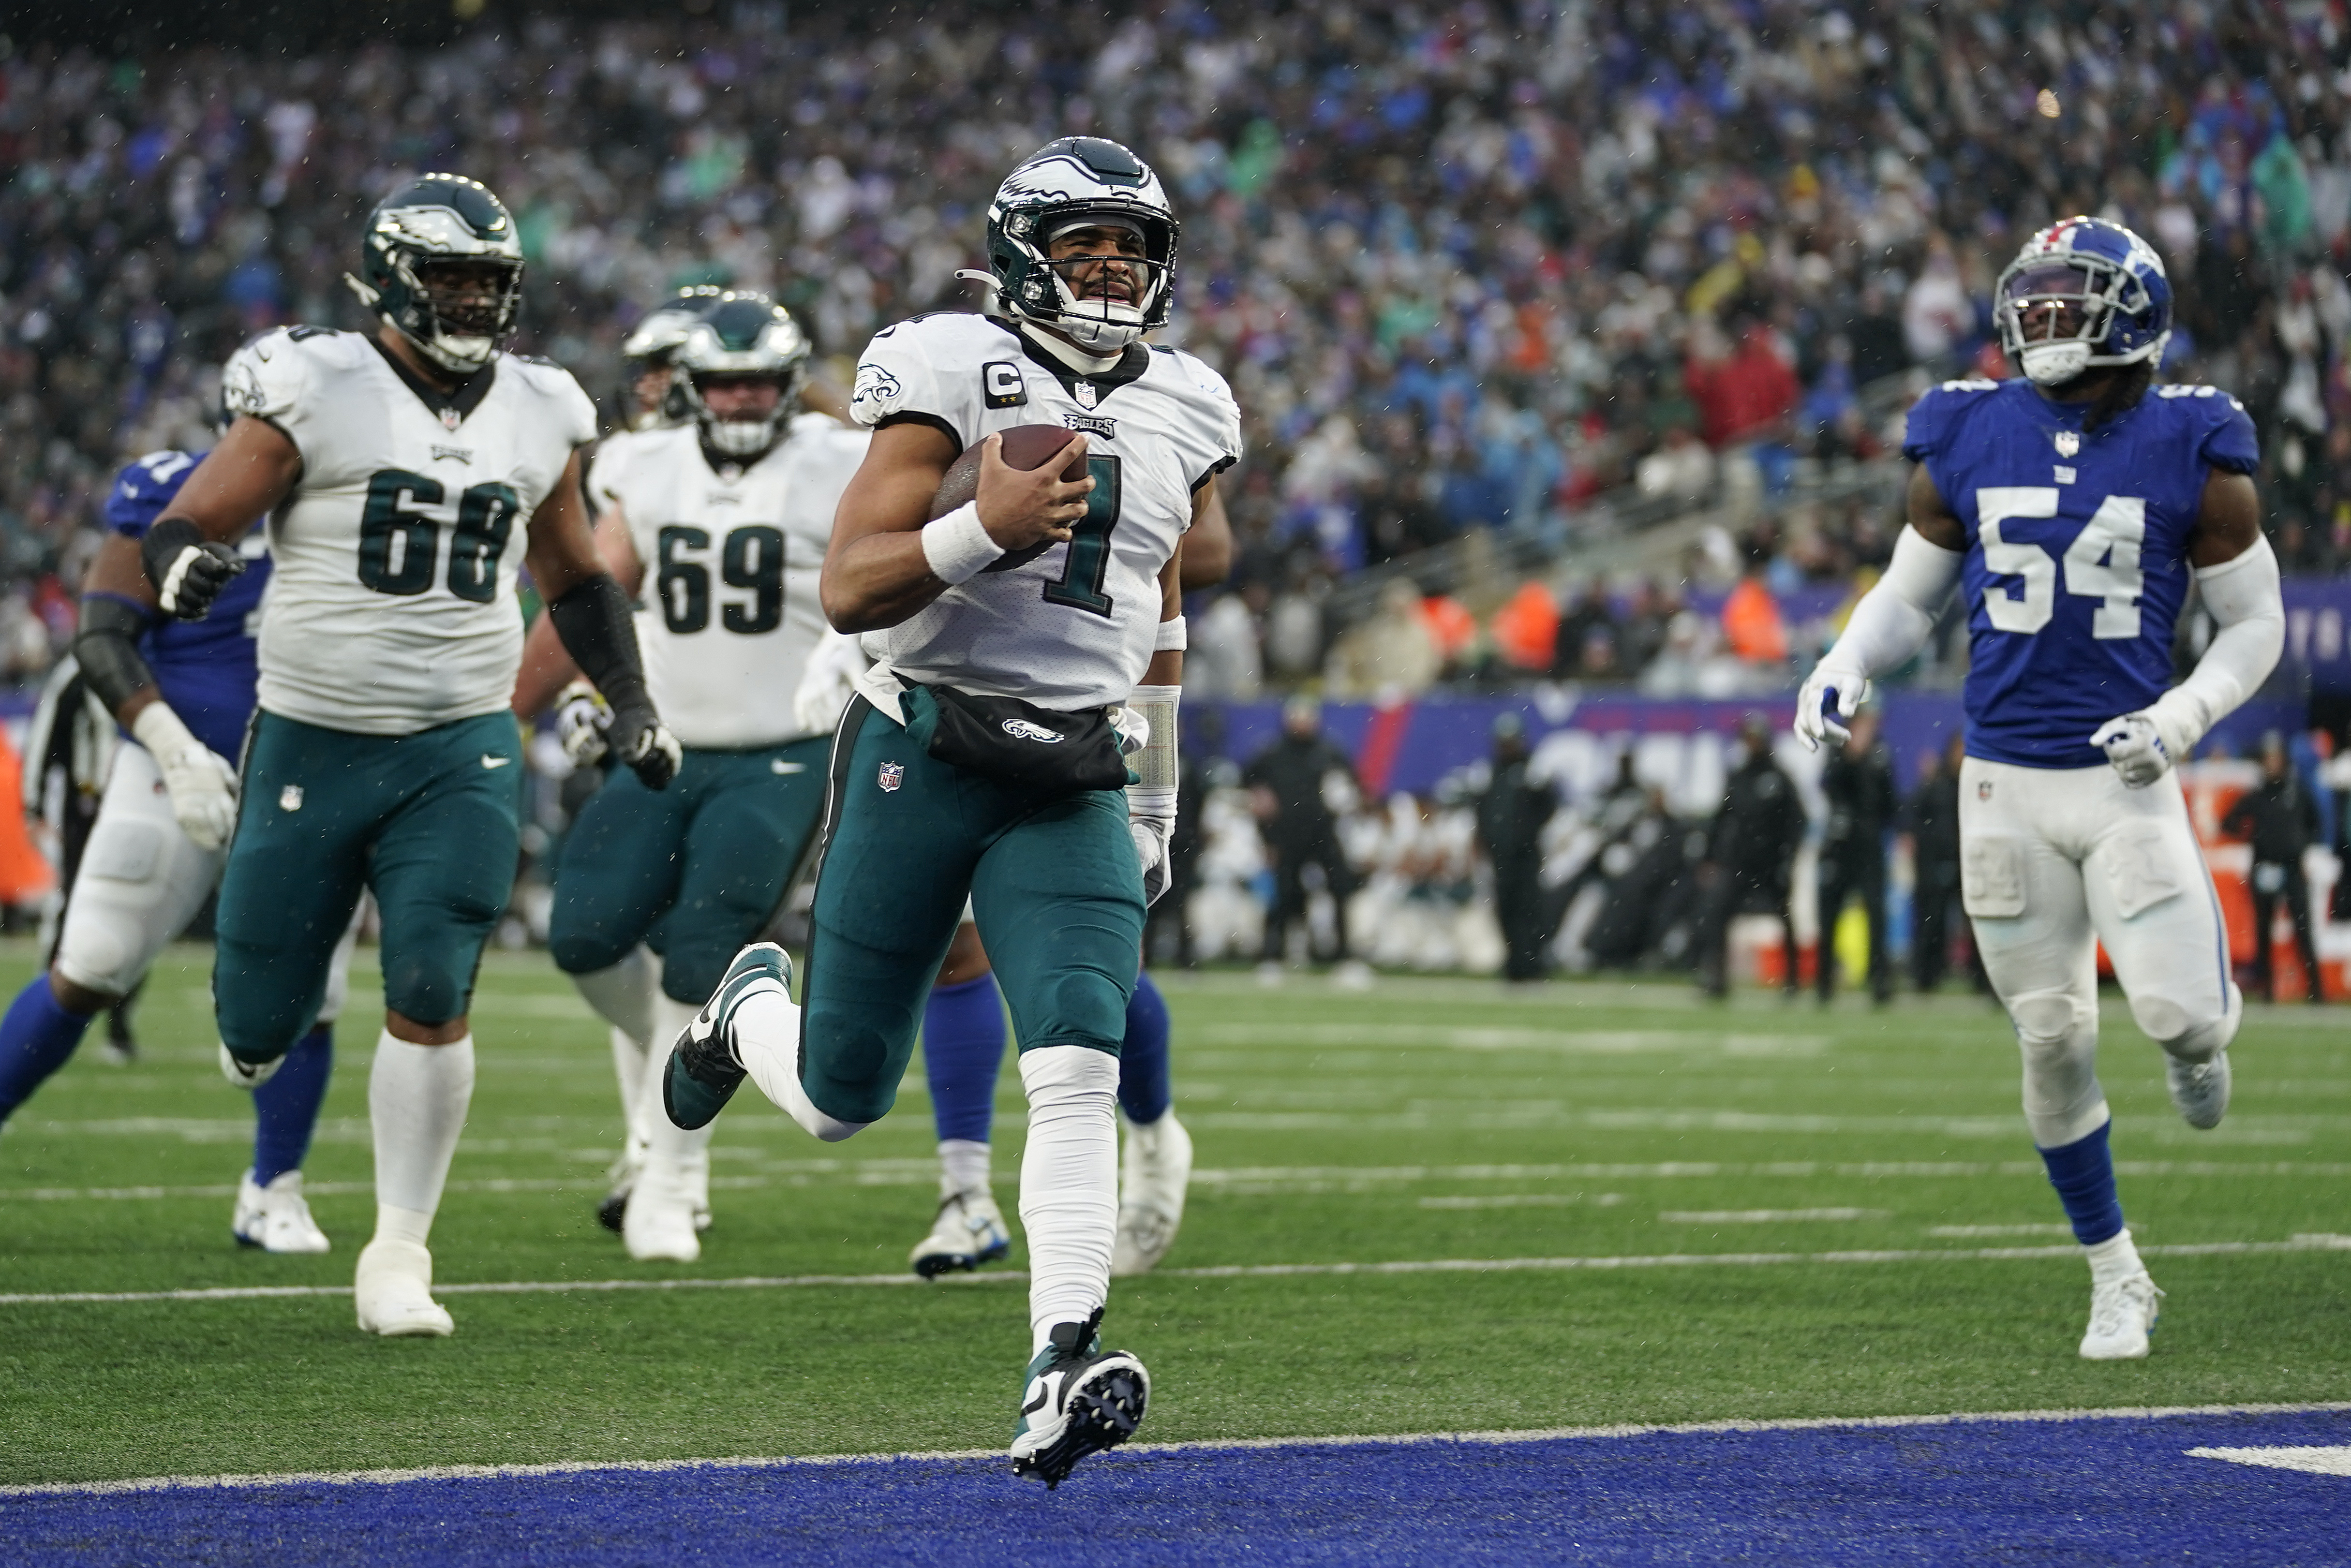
[[429, 224], [1065, 185], [742, 334], [652, 347]]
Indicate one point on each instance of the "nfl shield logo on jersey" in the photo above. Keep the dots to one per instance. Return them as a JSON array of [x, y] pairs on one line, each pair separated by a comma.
[[2068, 443], [892, 775]]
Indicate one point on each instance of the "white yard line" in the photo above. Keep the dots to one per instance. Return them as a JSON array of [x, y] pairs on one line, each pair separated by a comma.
[[1227, 1445], [2306, 1243], [1766, 1216], [1263, 1180]]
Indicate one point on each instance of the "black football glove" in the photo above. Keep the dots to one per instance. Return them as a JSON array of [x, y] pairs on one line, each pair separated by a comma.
[[187, 570], [639, 738]]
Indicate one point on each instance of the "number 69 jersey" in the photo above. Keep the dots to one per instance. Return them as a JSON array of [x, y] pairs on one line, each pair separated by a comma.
[[392, 607], [732, 556], [1070, 626], [2076, 560]]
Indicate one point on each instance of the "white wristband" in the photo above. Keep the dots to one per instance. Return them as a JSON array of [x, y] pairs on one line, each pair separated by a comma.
[[957, 548], [1172, 638], [162, 731]]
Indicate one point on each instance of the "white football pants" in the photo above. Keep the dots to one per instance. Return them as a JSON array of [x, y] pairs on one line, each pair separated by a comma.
[[2053, 861], [140, 884]]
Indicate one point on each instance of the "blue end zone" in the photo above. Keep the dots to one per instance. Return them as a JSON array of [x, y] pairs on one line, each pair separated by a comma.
[[2105, 1490]]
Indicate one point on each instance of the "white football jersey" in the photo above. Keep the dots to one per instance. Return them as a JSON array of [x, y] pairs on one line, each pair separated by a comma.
[[729, 607], [1067, 627], [392, 605]]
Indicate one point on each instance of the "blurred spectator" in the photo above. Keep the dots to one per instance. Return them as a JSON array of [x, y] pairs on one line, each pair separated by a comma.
[[2280, 819], [1748, 855], [1526, 629], [1744, 392], [1390, 655], [1858, 785], [1223, 661], [1751, 625], [1512, 813], [1932, 819], [1292, 783], [1680, 469]]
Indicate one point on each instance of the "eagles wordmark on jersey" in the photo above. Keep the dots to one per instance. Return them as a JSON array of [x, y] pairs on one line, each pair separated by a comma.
[[1159, 426], [393, 607]]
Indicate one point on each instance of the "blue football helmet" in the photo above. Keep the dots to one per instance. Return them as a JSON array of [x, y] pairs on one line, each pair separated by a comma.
[[2082, 292]]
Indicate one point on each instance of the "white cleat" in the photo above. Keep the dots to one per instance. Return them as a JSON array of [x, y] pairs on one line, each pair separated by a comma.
[[2122, 1314], [969, 1231], [275, 1219], [1354, 975], [393, 1293], [1154, 1177], [248, 1074], [659, 1226], [2200, 1088]]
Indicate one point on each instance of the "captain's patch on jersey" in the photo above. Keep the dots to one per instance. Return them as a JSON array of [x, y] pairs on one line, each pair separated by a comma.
[[892, 775], [1001, 385]]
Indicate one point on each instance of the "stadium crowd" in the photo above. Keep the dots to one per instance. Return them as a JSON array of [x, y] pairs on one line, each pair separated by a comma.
[[1467, 267]]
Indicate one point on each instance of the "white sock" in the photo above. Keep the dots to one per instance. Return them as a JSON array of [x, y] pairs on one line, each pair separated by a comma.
[[669, 1149], [629, 1070], [417, 1096], [768, 1044], [1069, 1183], [2115, 1259], [396, 1224], [622, 994], [962, 1167]]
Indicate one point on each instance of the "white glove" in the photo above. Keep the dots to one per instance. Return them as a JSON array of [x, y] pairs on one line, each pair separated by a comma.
[[1150, 818], [2142, 746], [828, 682], [581, 722], [1815, 722], [202, 784]]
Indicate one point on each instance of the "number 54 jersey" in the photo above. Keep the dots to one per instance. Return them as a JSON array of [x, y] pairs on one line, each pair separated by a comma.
[[2076, 560], [732, 555], [1066, 626], [392, 606]]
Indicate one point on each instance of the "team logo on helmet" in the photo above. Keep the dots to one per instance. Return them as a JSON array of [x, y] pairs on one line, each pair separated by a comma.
[[2083, 293], [1084, 182], [441, 265]]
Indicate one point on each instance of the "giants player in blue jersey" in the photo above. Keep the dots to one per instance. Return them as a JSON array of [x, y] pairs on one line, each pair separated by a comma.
[[185, 691], [2073, 508]]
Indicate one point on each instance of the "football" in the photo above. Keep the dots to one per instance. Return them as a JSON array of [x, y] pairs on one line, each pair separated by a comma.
[[1025, 446]]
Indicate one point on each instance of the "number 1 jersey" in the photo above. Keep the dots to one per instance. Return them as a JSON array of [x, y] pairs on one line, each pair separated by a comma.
[[732, 556], [1067, 627], [2076, 560], [392, 606]]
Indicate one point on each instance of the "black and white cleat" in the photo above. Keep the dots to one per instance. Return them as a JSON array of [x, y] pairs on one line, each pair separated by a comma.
[[1078, 1399]]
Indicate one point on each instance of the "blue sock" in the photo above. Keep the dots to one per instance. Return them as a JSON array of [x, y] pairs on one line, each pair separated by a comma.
[[35, 1038], [2083, 1172], [1144, 1086], [962, 1049], [286, 1109]]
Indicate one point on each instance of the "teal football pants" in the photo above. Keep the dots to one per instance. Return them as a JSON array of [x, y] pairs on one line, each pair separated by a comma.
[[707, 860], [1055, 888], [428, 822]]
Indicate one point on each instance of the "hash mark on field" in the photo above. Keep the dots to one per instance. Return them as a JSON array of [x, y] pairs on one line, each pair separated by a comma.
[[2303, 1243], [1527, 1200], [1765, 1216], [1970, 1232]]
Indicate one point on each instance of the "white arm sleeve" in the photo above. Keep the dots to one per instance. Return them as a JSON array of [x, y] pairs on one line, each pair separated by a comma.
[[2244, 600], [1893, 619]]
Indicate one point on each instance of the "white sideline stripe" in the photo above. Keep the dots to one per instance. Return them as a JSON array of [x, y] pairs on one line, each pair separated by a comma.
[[1209, 1446], [2309, 1243], [2318, 1461], [895, 1173]]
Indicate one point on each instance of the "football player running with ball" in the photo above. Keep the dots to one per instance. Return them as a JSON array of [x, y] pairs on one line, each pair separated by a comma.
[[723, 522], [2073, 508], [1017, 639], [396, 469]]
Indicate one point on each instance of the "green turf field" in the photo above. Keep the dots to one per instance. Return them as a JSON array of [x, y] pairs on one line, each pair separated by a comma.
[[1424, 1121]]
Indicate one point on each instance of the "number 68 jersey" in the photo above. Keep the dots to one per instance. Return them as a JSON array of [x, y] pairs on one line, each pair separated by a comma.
[[732, 555], [392, 604], [1066, 626], [2076, 562]]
